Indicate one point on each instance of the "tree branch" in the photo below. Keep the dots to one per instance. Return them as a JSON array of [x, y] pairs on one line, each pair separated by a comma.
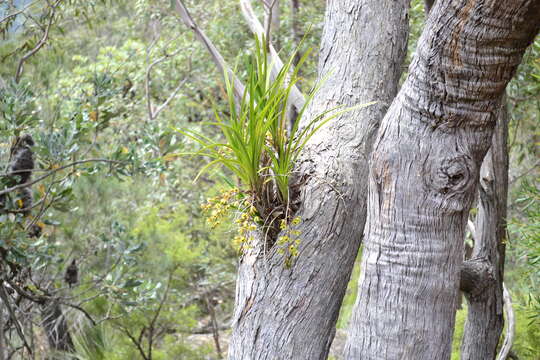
[[187, 19], [136, 343], [151, 113], [39, 45], [18, 327], [30, 183], [85, 313], [9, 16], [510, 327], [297, 99]]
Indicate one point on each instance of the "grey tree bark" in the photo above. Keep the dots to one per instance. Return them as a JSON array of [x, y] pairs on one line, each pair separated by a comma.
[[290, 313], [485, 316], [423, 177]]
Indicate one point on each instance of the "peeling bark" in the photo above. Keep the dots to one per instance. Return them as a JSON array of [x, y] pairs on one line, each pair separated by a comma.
[[424, 173], [485, 316], [284, 313]]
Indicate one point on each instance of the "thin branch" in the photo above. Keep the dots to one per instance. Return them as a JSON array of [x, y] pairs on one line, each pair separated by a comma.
[[187, 19], [39, 299], [136, 343], [39, 44], [78, 162], [85, 313], [157, 313], [7, 17], [151, 113], [42, 208], [215, 325], [15, 321], [172, 96], [525, 173]]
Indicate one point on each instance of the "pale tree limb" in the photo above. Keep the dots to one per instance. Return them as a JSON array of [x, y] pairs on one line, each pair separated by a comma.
[[154, 112], [510, 325], [296, 97], [187, 19]]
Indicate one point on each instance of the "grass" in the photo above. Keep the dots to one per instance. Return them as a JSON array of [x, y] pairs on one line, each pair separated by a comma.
[[259, 147]]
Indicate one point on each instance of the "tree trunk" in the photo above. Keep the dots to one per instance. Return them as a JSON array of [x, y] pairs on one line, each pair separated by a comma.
[[290, 313], [485, 316], [428, 4], [273, 22], [295, 28], [56, 327], [424, 172], [3, 343]]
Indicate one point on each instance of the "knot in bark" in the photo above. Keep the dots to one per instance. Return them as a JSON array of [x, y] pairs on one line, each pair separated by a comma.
[[451, 179], [477, 275]]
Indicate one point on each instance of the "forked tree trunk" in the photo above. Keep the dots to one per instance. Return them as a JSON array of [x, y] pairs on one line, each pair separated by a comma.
[[275, 22], [424, 172], [485, 313], [284, 313]]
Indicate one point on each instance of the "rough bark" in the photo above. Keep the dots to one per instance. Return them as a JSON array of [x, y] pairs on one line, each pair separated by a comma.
[[290, 313], [424, 172], [476, 276], [485, 316], [56, 327]]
